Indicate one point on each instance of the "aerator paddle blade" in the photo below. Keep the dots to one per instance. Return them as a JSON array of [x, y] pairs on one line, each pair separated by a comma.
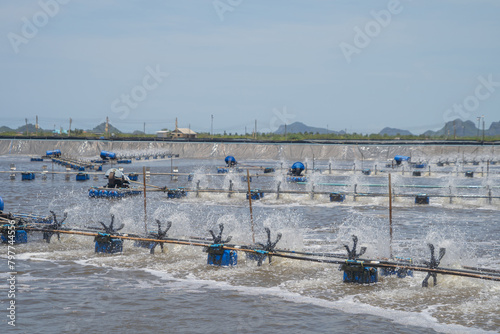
[[110, 229], [433, 264], [159, 235], [218, 239], [47, 235], [351, 253], [269, 246]]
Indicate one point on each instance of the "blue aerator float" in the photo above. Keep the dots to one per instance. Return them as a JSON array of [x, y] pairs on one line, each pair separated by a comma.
[[297, 169], [104, 243], [398, 272], [15, 231], [160, 235], [133, 176], [295, 173], [18, 237], [337, 197], [176, 193], [95, 192], [256, 194], [82, 177], [230, 161], [400, 158], [27, 176], [264, 250], [355, 271], [105, 155], [217, 255], [56, 153], [296, 179], [422, 199]]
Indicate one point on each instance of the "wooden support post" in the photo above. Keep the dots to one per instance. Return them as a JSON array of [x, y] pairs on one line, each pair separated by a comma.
[[198, 188], [230, 188], [278, 190], [330, 167], [171, 166], [145, 200], [355, 192], [390, 216], [250, 202]]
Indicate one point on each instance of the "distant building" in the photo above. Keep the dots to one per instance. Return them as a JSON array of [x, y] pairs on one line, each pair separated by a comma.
[[177, 133], [183, 133], [163, 134]]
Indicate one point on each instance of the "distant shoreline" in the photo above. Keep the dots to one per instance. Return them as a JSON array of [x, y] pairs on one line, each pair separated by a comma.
[[254, 141]]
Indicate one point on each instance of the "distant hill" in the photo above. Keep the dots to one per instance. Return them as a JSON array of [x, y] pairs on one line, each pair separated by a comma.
[[458, 127], [101, 128], [299, 127], [31, 128], [138, 132], [494, 129], [6, 129], [394, 132]]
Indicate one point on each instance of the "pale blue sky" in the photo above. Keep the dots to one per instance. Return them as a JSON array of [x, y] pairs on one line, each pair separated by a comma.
[[273, 61]]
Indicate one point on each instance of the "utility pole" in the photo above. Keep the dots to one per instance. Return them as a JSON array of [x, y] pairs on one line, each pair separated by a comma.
[[255, 129], [27, 133], [107, 127], [144, 129], [69, 131], [212, 126], [483, 127], [36, 125], [478, 126]]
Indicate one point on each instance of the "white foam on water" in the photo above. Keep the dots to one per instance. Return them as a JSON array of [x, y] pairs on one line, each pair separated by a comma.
[[347, 304]]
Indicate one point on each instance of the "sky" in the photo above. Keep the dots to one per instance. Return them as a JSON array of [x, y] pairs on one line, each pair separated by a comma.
[[230, 64]]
